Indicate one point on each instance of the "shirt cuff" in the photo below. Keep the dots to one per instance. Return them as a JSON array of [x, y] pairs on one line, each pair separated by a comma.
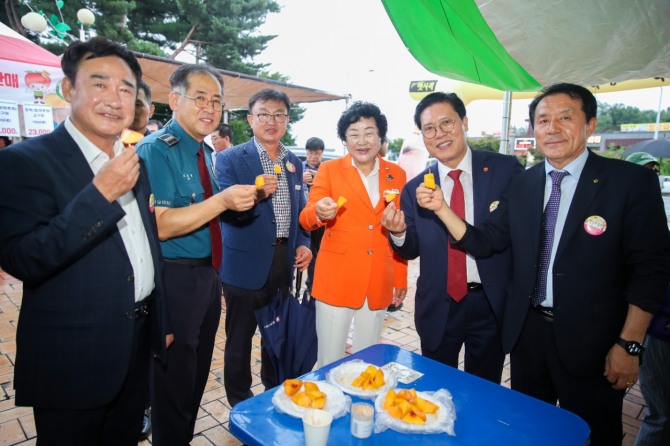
[[398, 241]]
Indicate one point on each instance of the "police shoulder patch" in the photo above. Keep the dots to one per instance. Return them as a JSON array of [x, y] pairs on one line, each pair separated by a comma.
[[169, 139]]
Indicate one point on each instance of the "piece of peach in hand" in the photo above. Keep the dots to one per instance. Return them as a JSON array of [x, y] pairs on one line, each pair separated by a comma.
[[341, 201], [429, 180], [260, 181], [130, 137]]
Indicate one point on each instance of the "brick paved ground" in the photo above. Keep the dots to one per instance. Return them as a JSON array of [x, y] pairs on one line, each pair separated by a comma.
[[17, 426]]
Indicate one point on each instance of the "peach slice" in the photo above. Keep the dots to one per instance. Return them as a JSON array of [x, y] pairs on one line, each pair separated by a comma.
[[311, 387], [378, 380], [292, 386], [277, 169], [341, 201], [395, 412], [426, 406], [315, 394], [260, 181], [429, 180], [301, 399], [319, 403], [130, 137], [389, 401], [415, 417]]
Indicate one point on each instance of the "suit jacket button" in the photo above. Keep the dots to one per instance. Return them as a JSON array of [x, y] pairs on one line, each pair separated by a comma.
[[130, 278], [371, 227], [369, 251]]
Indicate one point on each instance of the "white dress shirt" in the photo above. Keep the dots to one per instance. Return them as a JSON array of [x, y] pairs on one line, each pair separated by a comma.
[[447, 185], [370, 181], [130, 226]]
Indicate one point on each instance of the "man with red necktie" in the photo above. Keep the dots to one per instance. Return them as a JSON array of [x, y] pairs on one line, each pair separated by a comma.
[[188, 204], [459, 300], [591, 257]]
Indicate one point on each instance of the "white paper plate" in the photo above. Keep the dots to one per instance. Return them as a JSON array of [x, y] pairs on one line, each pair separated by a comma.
[[336, 402], [344, 374], [439, 422]]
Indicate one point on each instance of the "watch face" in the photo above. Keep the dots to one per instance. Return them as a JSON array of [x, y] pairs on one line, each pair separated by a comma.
[[634, 348]]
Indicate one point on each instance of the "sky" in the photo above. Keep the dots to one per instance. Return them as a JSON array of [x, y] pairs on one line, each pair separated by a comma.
[[351, 47]]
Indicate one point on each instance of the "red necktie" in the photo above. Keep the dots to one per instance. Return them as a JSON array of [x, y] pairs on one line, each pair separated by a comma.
[[457, 276], [214, 228]]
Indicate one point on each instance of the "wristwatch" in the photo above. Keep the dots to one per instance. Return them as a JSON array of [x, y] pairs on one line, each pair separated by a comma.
[[632, 348]]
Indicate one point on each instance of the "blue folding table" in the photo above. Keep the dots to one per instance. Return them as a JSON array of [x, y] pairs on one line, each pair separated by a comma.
[[486, 413]]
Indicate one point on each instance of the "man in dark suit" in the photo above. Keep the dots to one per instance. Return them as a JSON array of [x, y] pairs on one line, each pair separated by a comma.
[[446, 322], [262, 245], [77, 227], [591, 260]]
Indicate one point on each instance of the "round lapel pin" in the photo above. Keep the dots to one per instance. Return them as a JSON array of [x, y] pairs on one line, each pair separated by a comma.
[[595, 225]]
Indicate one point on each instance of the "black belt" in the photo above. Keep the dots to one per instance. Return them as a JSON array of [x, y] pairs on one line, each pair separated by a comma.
[[142, 308], [206, 261], [474, 286], [281, 240], [546, 312]]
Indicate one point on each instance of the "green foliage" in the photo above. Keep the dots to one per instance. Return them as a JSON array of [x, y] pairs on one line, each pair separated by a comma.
[[611, 117], [225, 30], [393, 150], [490, 143]]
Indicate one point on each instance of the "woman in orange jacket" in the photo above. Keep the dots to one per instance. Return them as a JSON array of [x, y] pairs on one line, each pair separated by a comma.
[[357, 274]]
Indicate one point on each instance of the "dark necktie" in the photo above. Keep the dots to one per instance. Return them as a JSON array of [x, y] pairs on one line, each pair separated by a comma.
[[547, 237], [457, 275], [214, 228]]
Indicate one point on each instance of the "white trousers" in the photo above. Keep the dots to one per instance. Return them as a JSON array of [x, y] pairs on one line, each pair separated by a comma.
[[332, 329]]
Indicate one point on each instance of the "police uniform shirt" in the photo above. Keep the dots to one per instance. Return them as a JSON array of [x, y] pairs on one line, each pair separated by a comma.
[[171, 156]]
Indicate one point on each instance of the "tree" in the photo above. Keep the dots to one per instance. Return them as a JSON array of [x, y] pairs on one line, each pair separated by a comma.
[[223, 31], [393, 149], [490, 143], [611, 117]]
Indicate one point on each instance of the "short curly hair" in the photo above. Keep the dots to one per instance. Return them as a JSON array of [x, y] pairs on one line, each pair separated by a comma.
[[360, 110]]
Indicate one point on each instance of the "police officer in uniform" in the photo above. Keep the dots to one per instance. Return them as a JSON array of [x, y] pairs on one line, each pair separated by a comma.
[[187, 207]]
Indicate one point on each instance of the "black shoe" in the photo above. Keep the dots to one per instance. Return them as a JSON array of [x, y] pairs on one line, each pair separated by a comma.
[[393, 308], [146, 425]]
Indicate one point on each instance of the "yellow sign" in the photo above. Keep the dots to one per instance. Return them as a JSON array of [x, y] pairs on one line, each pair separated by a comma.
[[645, 127], [420, 89]]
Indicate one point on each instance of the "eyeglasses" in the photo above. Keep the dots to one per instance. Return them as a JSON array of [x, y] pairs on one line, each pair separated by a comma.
[[368, 136], [279, 118], [430, 131], [203, 102]]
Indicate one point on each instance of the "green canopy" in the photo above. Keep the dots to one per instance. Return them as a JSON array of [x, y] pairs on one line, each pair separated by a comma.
[[521, 45]]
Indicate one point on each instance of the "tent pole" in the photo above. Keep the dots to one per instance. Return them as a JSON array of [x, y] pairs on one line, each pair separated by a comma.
[[507, 112], [658, 113]]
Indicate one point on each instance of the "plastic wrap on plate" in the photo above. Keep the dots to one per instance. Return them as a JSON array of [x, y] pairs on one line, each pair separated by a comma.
[[337, 403], [442, 421], [344, 374]]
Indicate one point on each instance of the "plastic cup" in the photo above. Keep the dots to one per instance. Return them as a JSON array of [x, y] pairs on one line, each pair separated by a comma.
[[316, 424], [362, 420]]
